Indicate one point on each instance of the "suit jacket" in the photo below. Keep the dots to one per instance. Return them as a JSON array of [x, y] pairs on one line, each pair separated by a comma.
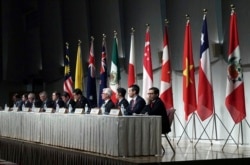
[[73, 103], [38, 104], [19, 104], [59, 102], [158, 108], [137, 107], [48, 103], [82, 102], [24, 104], [123, 102], [108, 106]]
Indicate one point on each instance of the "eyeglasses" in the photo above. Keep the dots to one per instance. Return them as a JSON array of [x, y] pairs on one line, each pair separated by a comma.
[[150, 93]]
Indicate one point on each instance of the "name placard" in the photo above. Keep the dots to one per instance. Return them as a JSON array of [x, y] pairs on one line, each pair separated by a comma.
[[6, 108], [25, 109], [36, 110], [62, 110], [115, 112], [95, 111], [14, 109], [78, 110], [49, 110]]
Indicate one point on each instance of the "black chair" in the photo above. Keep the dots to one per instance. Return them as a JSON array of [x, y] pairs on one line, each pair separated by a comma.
[[170, 114]]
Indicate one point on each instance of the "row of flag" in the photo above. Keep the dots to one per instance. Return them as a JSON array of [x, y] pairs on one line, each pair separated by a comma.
[[235, 98], [234, 101]]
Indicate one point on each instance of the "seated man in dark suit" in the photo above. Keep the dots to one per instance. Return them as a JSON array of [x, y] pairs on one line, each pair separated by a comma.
[[108, 103], [24, 101], [45, 101], [32, 101], [155, 106], [17, 102], [57, 100], [80, 100], [120, 95], [137, 103], [68, 102]]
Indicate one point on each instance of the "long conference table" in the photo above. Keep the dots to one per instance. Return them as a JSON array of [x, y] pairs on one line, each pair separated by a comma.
[[105, 134]]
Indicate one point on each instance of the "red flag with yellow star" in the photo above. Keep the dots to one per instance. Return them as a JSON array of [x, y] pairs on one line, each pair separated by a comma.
[[189, 93]]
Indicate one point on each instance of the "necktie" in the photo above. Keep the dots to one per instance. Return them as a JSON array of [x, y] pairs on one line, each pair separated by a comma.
[[132, 103], [151, 104]]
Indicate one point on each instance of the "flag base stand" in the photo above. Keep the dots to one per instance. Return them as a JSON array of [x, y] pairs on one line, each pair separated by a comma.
[[214, 128], [174, 131], [240, 131], [184, 130]]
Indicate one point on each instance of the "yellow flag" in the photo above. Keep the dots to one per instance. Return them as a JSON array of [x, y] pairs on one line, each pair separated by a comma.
[[79, 69]]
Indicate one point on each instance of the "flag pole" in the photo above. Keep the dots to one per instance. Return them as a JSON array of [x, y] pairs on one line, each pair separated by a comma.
[[184, 130], [131, 66], [213, 118], [132, 30], [79, 44], [193, 115], [103, 69], [166, 21], [115, 34], [240, 123]]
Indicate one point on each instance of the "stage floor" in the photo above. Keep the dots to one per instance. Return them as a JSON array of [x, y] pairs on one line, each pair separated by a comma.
[[194, 150], [185, 152]]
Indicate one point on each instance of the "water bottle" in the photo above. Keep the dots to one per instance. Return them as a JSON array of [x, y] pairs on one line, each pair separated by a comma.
[[122, 109], [33, 107], [70, 108], [57, 107], [5, 107], [86, 108], [23, 107], [14, 106], [45, 107], [103, 108]]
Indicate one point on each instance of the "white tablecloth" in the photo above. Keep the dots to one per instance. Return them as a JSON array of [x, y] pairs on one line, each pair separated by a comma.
[[106, 134]]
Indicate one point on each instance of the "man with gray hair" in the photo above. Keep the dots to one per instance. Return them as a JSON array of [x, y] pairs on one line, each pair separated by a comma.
[[108, 103]]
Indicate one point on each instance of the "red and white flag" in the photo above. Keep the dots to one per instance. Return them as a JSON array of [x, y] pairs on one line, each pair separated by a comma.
[[147, 66], [131, 65], [166, 93], [205, 106], [189, 93], [235, 97]]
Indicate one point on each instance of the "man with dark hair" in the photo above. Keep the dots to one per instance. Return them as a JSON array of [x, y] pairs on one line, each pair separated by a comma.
[[155, 106], [80, 100], [120, 95], [57, 100], [68, 102], [24, 101], [137, 103], [17, 102]]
